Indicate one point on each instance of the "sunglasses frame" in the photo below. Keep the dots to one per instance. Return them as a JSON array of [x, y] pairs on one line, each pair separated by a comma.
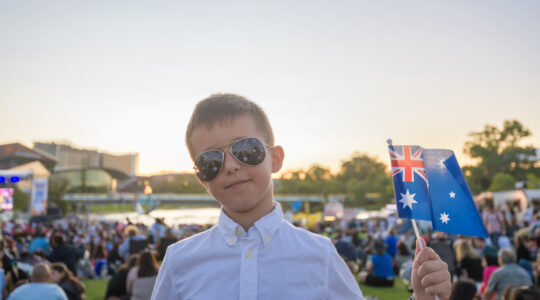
[[229, 146]]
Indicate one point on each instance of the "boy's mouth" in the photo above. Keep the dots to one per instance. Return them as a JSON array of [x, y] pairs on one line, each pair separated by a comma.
[[237, 184]]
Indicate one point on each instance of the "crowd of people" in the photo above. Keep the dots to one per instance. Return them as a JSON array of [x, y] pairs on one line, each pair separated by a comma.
[[54, 257], [504, 264]]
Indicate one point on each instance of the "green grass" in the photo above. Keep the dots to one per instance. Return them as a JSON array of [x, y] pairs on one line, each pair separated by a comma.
[[96, 288], [397, 292]]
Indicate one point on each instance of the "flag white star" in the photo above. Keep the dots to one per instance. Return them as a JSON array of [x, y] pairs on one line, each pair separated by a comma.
[[441, 163], [407, 200], [445, 218], [452, 194]]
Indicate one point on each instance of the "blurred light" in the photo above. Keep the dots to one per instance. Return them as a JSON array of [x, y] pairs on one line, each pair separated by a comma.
[[14, 179], [148, 190], [2, 179], [329, 218]]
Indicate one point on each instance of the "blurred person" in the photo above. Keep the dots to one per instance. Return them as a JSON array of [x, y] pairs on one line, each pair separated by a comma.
[[99, 258], [504, 242], [380, 271], [403, 254], [165, 242], [141, 278], [39, 288], [536, 268], [490, 264], [62, 276], [391, 242], [116, 288], [468, 261], [494, 222], [509, 273], [347, 251], [39, 243], [127, 247], [482, 248], [522, 251], [527, 266], [524, 293], [64, 253], [463, 289], [157, 230], [442, 245]]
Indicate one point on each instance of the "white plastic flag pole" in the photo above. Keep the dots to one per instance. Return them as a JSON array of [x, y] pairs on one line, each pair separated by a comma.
[[419, 239]]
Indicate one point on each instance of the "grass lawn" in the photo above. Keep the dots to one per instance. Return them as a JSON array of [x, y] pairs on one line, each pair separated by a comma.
[[397, 292], [95, 290]]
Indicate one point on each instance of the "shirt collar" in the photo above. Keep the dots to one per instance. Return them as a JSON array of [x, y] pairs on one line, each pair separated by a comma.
[[266, 226]]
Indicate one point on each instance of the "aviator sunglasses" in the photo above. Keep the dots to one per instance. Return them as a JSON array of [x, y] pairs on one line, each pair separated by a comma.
[[249, 151]]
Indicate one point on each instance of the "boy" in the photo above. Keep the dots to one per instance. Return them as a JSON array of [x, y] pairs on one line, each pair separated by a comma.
[[252, 253]]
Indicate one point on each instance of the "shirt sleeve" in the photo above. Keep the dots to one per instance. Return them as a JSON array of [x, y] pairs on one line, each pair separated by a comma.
[[492, 282], [163, 288], [341, 282]]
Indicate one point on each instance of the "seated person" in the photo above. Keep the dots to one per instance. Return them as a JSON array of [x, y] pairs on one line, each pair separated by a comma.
[[380, 270]]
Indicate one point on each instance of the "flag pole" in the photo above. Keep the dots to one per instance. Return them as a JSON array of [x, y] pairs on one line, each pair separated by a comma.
[[420, 244]]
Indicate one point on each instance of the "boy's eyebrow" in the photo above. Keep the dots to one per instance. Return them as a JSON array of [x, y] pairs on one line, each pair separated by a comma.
[[228, 143]]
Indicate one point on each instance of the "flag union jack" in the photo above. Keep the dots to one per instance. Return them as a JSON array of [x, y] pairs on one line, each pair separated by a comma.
[[407, 163]]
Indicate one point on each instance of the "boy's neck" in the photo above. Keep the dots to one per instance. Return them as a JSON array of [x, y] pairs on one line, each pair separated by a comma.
[[246, 219]]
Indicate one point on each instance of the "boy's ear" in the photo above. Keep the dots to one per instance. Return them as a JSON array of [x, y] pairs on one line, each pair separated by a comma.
[[277, 158]]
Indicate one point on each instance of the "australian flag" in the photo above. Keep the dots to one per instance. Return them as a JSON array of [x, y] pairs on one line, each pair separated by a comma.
[[429, 185]]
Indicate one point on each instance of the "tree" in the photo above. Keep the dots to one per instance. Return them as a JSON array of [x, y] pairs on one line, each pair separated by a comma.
[[366, 180], [498, 151], [58, 186], [502, 182], [533, 182], [20, 199]]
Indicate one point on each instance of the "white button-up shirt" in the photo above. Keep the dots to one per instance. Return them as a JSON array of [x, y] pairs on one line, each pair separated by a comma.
[[273, 260]]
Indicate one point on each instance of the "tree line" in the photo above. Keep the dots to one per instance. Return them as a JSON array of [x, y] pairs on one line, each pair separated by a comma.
[[500, 159]]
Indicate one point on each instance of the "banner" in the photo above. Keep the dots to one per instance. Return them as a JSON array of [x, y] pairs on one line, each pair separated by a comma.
[[39, 196]]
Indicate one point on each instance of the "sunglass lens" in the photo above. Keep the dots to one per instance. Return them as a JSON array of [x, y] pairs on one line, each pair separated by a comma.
[[208, 164], [249, 151]]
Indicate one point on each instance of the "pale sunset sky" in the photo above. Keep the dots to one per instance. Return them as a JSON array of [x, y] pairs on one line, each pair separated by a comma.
[[334, 77]]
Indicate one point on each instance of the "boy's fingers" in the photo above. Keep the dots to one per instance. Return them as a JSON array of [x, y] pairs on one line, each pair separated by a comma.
[[425, 255], [435, 278], [431, 266]]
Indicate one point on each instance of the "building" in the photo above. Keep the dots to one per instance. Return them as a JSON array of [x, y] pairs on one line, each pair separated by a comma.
[[16, 154], [88, 170], [71, 158]]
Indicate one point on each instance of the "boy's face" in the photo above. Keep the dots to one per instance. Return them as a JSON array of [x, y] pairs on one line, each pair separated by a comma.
[[238, 187]]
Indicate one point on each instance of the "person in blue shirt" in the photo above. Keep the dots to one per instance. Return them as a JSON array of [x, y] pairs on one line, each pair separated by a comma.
[[39, 288], [380, 269], [253, 253], [39, 243]]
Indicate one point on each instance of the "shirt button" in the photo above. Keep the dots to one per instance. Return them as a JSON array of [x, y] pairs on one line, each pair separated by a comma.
[[238, 231], [266, 239], [249, 254], [232, 240]]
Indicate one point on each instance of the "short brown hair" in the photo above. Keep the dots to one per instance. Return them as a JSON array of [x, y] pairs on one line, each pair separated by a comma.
[[219, 107]]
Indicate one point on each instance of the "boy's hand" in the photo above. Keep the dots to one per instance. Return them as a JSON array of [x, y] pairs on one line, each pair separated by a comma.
[[430, 275]]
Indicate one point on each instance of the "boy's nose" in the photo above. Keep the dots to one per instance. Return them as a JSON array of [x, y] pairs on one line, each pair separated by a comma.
[[230, 164]]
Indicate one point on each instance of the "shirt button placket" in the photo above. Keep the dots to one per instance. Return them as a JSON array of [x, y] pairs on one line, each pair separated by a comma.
[[248, 273]]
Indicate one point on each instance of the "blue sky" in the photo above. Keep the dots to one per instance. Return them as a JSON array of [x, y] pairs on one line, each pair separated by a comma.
[[334, 77]]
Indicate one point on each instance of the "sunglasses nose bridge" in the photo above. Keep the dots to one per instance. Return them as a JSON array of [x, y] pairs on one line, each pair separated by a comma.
[[230, 162]]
